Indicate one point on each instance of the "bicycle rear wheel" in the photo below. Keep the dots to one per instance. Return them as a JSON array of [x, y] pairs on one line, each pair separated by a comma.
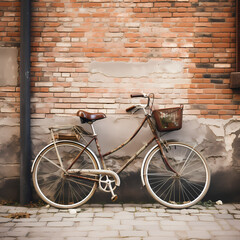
[[56, 187], [180, 190]]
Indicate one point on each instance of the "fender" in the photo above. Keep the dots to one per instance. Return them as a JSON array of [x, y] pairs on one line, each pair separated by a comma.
[[144, 162], [66, 141]]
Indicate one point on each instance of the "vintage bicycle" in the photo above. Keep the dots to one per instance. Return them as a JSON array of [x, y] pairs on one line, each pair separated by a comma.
[[66, 172]]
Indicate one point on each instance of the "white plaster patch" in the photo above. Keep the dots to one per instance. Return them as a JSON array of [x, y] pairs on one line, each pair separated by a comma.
[[217, 130], [229, 141], [232, 127], [122, 69]]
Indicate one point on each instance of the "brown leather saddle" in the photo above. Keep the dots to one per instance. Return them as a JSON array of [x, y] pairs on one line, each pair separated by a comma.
[[87, 117]]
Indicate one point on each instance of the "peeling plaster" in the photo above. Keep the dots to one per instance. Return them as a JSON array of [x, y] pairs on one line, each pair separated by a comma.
[[217, 140], [122, 69]]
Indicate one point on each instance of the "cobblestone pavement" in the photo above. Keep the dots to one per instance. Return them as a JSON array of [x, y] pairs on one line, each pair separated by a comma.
[[121, 221]]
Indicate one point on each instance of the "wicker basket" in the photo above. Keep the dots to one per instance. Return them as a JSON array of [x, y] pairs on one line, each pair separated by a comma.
[[168, 119]]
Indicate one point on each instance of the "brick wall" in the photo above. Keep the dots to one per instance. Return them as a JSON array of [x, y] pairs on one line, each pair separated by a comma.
[[91, 54], [68, 36]]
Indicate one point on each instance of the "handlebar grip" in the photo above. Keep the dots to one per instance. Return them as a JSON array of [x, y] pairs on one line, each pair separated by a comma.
[[137, 95], [130, 108]]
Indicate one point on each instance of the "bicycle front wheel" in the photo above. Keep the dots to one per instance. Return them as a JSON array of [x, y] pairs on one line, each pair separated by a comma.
[[182, 188], [53, 185]]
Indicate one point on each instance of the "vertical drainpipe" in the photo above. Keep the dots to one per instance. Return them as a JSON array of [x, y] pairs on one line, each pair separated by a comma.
[[237, 36], [25, 135]]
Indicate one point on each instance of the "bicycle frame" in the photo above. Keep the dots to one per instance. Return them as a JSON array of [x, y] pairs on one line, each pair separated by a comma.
[[131, 159]]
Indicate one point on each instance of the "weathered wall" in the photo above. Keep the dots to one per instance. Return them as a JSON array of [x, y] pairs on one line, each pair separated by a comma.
[[217, 140], [93, 54]]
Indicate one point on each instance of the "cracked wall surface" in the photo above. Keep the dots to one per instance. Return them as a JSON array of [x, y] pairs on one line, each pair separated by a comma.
[[217, 140]]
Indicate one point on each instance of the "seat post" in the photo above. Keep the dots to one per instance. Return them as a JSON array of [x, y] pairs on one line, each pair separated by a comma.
[[93, 129]]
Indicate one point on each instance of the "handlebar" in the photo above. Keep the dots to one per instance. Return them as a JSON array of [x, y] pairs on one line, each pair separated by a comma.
[[149, 96], [138, 95]]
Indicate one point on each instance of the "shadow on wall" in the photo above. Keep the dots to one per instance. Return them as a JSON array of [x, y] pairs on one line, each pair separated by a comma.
[[225, 186]]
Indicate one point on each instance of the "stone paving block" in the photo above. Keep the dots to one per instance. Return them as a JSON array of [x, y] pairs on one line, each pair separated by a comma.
[[198, 235], [226, 206], [50, 219], [160, 233], [237, 205], [148, 228], [234, 211], [37, 238], [43, 215], [22, 220], [204, 226], [71, 233], [104, 214], [172, 211], [4, 220], [4, 209], [7, 238], [61, 214], [53, 210], [60, 224], [164, 215], [152, 219], [206, 217], [121, 227], [189, 211], [223, 216], [185, 218], [85, 214], [103, 234], [113, 209], [91, 228], [175, 228], [157, 210], [234, 223], [160, 238], [223, 223], [172, 223], [15, 234], [124, 215], [4, 229], [105, 221], [129, 209], [31, 224], [145, 214], [225, 233], [226, 238], [133, 233], [210, 211], [80, 238], [43, 210], [77, 219], [140, 209], [138, 222]]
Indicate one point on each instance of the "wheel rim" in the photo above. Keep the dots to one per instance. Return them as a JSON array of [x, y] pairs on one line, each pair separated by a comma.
[[56, 187], [177, 190]]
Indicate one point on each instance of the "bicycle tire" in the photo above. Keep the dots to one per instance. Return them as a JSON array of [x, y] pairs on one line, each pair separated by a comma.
[[167, 187], [56, 188]]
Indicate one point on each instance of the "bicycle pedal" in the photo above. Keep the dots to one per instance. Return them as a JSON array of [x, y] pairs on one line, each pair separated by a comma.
[[114, 198]]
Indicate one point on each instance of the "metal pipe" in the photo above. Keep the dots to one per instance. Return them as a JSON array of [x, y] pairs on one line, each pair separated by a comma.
[[237, 36], [25, 135]]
